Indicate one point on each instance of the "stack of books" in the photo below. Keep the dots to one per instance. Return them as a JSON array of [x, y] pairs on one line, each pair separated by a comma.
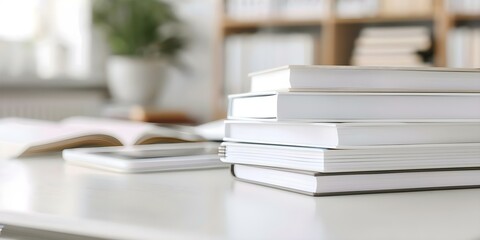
[[324, 130], [393, 46]]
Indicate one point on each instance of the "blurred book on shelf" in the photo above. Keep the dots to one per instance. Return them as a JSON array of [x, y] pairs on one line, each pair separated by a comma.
[[393, 46], [245, 53], [385, 8], [406, 7], [463, 47], [357, 8], [247, 10], [467, 7]]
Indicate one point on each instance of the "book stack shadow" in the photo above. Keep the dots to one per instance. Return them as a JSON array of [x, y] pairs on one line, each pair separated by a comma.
[[329, 130]]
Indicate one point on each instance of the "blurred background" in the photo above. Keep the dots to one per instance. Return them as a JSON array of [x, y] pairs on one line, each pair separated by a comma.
[[175, 61]]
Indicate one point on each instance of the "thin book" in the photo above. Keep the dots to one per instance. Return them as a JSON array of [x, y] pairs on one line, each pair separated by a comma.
[[352, 107], [365, 79], [325, 184], [350, 135], [380, 158]]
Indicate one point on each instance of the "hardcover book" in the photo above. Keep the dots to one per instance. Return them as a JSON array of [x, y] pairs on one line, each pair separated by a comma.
[[350, 135], [351, 107], [380, 158], [324, 184], [366, 79]]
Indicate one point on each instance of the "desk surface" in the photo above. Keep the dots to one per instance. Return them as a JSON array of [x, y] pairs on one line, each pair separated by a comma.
[[47, 194]]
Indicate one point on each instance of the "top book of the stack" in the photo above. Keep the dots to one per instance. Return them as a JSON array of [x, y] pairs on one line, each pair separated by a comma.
[[366, 79]]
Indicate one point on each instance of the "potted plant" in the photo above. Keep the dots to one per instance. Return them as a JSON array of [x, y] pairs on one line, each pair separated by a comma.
[[143, 38]]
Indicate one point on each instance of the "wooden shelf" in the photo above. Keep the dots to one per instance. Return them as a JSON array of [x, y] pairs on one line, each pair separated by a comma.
[[465, 17], [384, 19], [283, 22], [272, 22]]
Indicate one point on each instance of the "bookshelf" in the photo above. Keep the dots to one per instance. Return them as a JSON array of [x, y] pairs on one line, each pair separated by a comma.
[[338, 34], [230, 25], [384, 19]]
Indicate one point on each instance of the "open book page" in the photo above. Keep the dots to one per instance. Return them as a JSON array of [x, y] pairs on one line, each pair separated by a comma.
[[210, 131], [214, 131], [129, 132], [18, 136]]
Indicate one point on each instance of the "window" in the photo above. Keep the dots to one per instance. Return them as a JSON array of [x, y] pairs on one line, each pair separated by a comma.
[[45, 39]]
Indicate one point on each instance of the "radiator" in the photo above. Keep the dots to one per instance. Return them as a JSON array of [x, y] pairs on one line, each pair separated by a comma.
[[52, 105]]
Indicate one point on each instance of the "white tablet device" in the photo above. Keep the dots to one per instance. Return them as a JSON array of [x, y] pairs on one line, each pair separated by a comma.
[[147, 158]]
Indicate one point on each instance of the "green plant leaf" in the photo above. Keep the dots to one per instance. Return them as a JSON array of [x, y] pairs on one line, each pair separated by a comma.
[[133, 27]]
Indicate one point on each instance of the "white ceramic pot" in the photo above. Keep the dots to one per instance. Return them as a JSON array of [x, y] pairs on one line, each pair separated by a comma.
[[135, 80]]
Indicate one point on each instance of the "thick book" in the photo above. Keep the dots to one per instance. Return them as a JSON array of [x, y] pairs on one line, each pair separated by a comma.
[[324, 184], [349, 107], [22, 137], [353, 160], [366, 79], [350, 135]]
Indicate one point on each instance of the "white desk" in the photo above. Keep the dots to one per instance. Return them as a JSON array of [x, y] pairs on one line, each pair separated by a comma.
[[47, 194]]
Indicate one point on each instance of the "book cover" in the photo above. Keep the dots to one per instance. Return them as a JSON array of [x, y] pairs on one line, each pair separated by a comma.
[[351, 107]]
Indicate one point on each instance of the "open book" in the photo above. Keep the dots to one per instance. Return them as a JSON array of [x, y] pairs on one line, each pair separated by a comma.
[[22, 137]]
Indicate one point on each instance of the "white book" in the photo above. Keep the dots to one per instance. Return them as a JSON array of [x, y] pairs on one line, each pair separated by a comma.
[[319, 184], [350, 78], [380, 158], [349, 107], [350, 135]]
